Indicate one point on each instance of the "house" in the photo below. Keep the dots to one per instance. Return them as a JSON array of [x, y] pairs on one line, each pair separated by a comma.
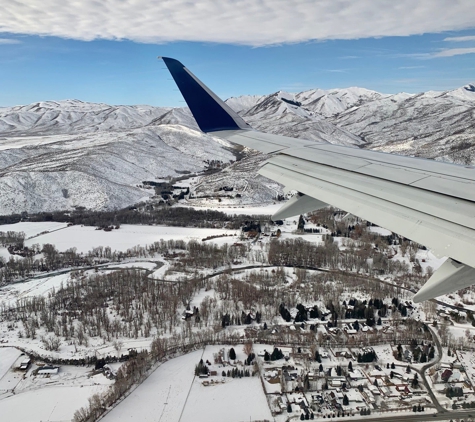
[[390, 391], [374, 390], [446, 375], [369, 398], [456, 377], [354, 396], [312, 376], [356, 374], [317, 398], [403, 389], [343, 353], [48, 370], [336, 382], [24, 364]]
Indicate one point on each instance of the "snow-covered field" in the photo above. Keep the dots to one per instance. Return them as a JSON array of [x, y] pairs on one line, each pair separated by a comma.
[[265, 209], [162, 396], [28, 397], [35, 287], [55, 404], [172, 393], [84, 238], [238, 399], [33, 229], [8, 356]]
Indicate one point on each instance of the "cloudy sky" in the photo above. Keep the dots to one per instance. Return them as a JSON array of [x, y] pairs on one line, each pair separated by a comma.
[[105, 50]]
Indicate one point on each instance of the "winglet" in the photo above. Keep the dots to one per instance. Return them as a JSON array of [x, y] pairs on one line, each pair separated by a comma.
[[210, 112]]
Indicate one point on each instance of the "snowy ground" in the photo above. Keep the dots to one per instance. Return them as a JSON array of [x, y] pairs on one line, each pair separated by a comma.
[[172, 393], [85, 238], [46, 404], [32, 229], [25, 396], [8, 380], [238, 399], [162, 396], [36, 287], [268, 209]]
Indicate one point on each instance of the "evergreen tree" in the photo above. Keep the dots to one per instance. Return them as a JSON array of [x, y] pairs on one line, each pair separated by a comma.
[[346, 402], [431, 353], [415, 381], [301, 223], [276, 354], [232, 354]]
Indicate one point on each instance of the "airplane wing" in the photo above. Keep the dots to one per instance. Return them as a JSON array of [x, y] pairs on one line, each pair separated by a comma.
[[429, 202]]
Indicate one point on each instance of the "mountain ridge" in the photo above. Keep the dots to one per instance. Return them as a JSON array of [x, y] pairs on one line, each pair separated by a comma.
[[64, 154]]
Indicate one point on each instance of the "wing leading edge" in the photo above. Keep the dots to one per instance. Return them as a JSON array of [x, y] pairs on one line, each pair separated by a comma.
[[429, 202]]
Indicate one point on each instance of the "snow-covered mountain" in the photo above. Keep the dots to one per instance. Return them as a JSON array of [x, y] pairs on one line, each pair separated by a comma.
[[432, 124], [58, 155]]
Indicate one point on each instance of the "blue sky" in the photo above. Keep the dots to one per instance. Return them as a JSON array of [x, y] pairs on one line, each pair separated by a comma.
[[43, 63]]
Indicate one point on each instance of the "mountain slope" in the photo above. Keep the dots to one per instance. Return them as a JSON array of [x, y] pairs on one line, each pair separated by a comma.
[[438, 125], [60, 155], [93, 155]]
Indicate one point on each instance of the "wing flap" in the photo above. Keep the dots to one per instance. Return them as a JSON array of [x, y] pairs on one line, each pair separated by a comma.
[[436, 168], [444, 237], [429, 203]]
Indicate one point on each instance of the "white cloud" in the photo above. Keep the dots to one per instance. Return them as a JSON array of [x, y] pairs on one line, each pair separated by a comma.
[[460, 39], [411, 67], [248, 22], [9, 41], [454, 52]]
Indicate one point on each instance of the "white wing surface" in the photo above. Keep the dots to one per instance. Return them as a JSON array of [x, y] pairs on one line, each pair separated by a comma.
[[426, 201]]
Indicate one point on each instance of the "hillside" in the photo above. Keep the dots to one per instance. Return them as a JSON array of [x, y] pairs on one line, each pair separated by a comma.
[[64, 154]]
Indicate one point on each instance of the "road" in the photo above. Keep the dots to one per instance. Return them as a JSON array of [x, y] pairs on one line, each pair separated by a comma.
[[466, 415], [422, 372]]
